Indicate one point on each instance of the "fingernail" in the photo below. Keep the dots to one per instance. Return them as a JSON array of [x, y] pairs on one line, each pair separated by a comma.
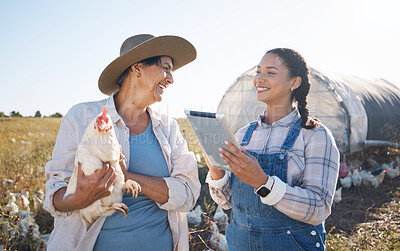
[[226, 142], [221, 155], [220, 149]]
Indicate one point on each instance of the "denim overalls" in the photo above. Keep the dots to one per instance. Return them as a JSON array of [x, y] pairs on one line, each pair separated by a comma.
[[257, 226]]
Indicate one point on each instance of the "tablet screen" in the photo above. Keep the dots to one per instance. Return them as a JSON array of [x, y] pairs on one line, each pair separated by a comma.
[[212, 130]]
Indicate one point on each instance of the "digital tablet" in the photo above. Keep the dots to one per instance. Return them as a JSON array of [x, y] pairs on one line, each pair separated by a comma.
[[212, 129]]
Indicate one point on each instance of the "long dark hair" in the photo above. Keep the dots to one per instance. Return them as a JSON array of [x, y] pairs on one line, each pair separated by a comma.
[[297, 66]]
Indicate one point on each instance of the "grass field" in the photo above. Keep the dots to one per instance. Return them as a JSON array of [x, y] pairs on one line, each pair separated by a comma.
[[26, 145]]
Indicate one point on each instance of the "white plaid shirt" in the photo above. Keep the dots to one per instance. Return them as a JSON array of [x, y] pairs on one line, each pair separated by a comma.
[[69, 232], [313, 168]]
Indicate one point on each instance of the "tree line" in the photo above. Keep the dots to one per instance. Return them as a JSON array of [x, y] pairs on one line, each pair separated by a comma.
[[38, 114]]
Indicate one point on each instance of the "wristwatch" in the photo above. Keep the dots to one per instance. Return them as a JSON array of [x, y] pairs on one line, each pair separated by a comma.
[[265, 189]]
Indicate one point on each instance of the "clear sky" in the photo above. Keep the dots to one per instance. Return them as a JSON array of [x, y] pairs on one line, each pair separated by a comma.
[[53, 52]]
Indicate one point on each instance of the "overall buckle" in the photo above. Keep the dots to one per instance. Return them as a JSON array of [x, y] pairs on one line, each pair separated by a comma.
[[282, 154]]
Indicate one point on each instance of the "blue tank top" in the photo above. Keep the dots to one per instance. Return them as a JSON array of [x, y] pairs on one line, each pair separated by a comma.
[[146, 226]]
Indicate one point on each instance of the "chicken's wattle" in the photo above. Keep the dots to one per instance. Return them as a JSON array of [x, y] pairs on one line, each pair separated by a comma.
[[102, 122]]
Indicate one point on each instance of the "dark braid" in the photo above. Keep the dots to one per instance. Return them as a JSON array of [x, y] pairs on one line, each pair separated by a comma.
[[297, 66]]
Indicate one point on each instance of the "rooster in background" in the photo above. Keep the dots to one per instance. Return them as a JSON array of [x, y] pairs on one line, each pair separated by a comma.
[[99, 144], [374, 180]]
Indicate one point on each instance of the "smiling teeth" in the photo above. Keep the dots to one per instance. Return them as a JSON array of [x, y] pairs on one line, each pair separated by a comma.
[[262, 89]]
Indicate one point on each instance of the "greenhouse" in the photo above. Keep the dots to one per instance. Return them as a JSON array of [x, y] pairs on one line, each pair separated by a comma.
[[358, 111]]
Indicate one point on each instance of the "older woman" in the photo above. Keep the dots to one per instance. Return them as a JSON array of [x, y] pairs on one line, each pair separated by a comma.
[[284, 176], [157, 157]]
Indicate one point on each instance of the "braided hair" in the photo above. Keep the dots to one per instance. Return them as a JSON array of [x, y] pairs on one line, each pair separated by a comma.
[[297, 66]]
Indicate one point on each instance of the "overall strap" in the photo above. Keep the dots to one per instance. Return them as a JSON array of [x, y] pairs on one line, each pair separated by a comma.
[[291, 138], [249, 133]]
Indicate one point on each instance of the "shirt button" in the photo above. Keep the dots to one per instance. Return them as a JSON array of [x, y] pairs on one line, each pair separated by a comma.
[[288, 232], [317, 245], [313, 232]]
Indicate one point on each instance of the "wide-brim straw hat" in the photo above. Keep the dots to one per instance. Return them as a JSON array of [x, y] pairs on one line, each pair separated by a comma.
[[140, 47]]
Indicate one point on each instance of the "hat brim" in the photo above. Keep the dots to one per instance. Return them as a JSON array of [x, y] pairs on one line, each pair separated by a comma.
[[179, 49]]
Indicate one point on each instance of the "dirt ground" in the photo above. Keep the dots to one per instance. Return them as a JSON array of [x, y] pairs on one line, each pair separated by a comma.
[[370, 215], [375, 206]]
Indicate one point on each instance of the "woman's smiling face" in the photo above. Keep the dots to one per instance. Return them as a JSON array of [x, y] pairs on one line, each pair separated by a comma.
[[272, 81], [156, 78]]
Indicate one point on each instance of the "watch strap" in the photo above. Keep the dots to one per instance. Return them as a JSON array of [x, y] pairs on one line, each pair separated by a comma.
[[268, 185]]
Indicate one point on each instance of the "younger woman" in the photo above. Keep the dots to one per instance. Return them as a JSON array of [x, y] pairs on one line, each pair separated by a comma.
[[284, 176]]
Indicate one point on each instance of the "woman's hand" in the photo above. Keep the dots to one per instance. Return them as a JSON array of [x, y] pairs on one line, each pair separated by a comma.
[[216, 173], [244, 166], [95, 186], [89, 188]]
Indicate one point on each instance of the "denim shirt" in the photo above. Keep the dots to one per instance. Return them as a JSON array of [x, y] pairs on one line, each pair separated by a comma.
[[183, 184]]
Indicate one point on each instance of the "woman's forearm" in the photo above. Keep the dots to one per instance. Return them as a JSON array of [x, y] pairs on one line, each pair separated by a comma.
[[67, 204], [153, 187], [217, 174]]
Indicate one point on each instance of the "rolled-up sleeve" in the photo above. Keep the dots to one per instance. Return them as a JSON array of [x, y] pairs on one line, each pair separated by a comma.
[[183, 183], [60, 168], [311, 201], [220, 190]]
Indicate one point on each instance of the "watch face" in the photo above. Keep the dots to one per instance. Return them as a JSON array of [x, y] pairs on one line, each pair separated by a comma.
[[263, 191]]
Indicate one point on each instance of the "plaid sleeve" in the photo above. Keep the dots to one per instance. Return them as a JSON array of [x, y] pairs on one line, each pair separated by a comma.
[[311, 201], [220, 190]]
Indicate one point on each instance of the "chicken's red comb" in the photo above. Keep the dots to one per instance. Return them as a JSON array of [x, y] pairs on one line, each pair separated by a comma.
[[104, 115]]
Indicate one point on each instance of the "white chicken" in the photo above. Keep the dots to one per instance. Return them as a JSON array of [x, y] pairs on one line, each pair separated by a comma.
[[194, 216], [22, 199], [11, 205], [338, 195], [347, 181], [38, 198], [221, 218], [357, 178], [392, 172], [7, 183], [217, 240], [99, 144]]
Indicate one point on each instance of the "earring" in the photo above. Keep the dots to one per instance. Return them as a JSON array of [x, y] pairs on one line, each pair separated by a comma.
[[291, 89]]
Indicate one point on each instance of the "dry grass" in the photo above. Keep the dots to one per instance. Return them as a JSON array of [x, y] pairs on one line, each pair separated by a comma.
[[24, 161], [26, 145]]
